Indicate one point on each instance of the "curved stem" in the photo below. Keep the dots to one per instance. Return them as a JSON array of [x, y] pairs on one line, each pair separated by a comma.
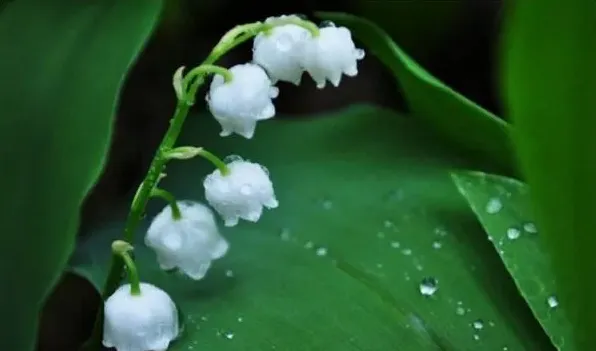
[[203, 70], [217, 162], [171, 199], [121, 249]]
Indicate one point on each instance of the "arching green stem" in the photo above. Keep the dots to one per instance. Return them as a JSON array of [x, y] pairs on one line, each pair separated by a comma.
[[170, 198], [122, 249]]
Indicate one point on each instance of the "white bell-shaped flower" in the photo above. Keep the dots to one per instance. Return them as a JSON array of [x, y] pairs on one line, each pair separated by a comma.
[[242, 193], [239, 104], [331, 54], [145, 322], [189, 243], [280, 51]]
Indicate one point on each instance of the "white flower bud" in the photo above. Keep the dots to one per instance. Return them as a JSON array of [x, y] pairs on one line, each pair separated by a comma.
[[145, 322], [331, 54], [242, 193], [189, 243], [280, 51], [239, 104]]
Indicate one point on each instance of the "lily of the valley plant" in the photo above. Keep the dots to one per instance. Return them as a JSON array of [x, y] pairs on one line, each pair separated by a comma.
[[139, 316]]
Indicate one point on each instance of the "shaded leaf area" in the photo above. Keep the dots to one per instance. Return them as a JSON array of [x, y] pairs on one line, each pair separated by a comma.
[[555, 139], [61, 70], [369, 221], [503, 206], [454, 117]]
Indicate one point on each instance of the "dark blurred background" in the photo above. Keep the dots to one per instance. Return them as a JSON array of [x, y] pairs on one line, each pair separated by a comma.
[[454, 39]]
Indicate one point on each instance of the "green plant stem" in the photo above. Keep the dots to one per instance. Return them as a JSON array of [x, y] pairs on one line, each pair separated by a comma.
[[121, 249], [171, 199], [221, 165]]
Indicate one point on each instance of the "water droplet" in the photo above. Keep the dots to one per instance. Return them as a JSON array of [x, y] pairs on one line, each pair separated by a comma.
[[530, 227], [273, 92], [388, 224], [380, 235], [478, 324], [327, 204], [395, 244], [441, 232], [552, 301], [429, 286], [229, 335], [379, 265], [285, 234], [229, 273], [309, 245], [419, 267], [284, 42], [240, 319], [327, 24], [359, 54], [406, 252], [513, 233], [494, 205], [232, 158], [460, 311], [476, 337], [321, 251], [437, 245]]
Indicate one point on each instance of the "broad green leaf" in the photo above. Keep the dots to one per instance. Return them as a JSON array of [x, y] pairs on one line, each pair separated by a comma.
[[368, 211], [550, 80], [452, 115], [503, 207], [61, 68]]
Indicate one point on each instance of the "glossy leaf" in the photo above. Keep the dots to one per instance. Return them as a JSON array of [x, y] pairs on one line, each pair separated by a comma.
[[503, 207], [450, 114], [61, 68], [368, 213], [550, 80]]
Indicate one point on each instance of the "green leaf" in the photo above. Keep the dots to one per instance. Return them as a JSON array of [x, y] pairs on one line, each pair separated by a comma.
[[550, 80], [503, 207], [367, 212], [450, 114], [61, 68]]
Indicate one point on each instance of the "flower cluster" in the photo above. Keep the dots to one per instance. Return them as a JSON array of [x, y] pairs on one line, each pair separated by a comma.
[[185, 235]]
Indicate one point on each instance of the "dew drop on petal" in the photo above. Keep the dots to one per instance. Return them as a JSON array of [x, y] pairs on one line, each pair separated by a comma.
[[232, 158], [552, 301], [327, 24], [513, 233], [494, 205], [359, 54], [428, 286], [273, 92]]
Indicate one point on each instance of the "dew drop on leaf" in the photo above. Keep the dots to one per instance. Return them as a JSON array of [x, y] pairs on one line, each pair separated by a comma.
[[513, 233], [321, 251], [530, 227], [478, 324], [552, 301], [429, 286], [494, 205], [437, 245]]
